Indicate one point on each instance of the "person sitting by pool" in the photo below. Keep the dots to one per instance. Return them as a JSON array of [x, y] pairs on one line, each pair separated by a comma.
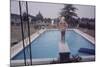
[[63, 26]]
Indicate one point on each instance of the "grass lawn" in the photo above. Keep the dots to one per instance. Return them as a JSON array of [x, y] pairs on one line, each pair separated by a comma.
[[16, 35]]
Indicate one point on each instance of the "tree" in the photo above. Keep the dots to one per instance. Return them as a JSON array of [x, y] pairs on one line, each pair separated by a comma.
[[39, 16], [68, 12]]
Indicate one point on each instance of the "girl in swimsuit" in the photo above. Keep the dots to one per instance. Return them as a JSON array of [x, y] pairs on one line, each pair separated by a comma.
[[63, 26]]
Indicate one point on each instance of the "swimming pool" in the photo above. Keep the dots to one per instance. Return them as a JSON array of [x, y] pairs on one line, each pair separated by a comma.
[[46, 45]]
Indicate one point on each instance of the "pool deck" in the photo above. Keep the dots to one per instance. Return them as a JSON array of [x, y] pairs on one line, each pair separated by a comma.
[[88, 58], [18, 47], [34, 61]]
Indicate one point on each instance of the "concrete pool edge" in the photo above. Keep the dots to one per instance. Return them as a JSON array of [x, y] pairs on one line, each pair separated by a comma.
[[86, 36], [88, 58], [34, 61], [18, 47]]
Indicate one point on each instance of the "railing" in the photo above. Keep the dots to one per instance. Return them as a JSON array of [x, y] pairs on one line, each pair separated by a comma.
[[28, 26]]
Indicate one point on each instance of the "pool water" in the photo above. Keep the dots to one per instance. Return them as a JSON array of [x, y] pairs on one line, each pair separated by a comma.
[[47, 45]]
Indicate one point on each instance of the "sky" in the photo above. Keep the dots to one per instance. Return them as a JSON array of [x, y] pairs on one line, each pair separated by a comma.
[[52, 10]]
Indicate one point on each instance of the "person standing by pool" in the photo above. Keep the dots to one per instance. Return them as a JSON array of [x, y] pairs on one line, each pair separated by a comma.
[[63, 26]]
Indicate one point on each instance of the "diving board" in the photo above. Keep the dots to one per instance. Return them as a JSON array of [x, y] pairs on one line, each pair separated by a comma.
[[64, 52], [63, 48]]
